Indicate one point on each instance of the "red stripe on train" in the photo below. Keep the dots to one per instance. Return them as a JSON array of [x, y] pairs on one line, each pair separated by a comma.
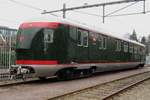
[[37, 62], [40, 25]]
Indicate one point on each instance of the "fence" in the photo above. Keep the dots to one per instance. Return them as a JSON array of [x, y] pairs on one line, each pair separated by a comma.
[[7, 56]]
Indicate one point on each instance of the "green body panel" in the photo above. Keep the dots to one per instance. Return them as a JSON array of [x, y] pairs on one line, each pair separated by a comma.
[[92, 53], [65, 49]]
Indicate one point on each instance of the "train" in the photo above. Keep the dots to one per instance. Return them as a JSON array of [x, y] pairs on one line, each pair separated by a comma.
[[66, 49]]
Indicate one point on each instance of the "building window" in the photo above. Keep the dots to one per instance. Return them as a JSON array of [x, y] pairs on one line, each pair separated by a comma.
[[142, 51], [48, 36], [131, 48], [118, 45], [125, 47], [135, 50]]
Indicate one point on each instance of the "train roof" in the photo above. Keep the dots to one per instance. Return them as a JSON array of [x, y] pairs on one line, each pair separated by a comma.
[[84, 26]]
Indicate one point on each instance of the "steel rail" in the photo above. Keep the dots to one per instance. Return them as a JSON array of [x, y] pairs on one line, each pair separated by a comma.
[[28, 81], [91, 87], [19, 82], [125, 88]]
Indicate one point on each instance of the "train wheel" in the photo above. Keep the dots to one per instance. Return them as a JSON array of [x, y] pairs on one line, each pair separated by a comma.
[[65, 74], [85, 73], [93, 70]]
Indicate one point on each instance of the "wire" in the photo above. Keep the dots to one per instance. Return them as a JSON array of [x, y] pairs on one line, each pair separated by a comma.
[[126, 14], [26, 5], [120, 9], [130, 14], [55, 15], [30, 6], [111, 12], [88, 13]]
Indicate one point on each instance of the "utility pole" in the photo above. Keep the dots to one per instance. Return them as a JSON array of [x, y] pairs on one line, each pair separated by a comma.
[[144, 7], [103, 13], [64, 9]]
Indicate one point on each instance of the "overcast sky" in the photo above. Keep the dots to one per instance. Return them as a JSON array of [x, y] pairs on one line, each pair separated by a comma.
[[13, 14]]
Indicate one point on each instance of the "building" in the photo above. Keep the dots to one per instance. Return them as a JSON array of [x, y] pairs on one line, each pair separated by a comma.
[[6, 33]]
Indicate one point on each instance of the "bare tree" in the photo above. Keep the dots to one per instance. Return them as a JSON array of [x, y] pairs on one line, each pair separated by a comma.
[[133, 36], [143, 40]]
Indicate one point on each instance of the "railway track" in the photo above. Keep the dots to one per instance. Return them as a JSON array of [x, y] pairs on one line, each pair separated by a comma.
[[4, 76], [105, 91], [54, 89], [10, 83], [125, 88]]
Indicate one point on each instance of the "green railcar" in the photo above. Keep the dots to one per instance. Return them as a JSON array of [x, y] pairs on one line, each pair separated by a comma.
[[60, 47]]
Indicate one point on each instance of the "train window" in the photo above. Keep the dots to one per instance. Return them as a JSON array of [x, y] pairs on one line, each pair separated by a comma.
[[79, 38], [72, 32], [118, 45], [100, 39], [131, 48], [85, 38], [125, 47], [104, 42], [48, 35]]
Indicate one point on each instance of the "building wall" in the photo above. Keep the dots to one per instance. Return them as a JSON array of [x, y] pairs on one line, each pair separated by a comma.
[[7, 33]]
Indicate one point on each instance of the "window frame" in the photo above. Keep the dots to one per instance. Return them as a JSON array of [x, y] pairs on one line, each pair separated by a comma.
[[135, 50], [73, 32], [79, 38], [104, 42], [118, 45], [131, 48], [100, 40], [46, 40], [85, 35]]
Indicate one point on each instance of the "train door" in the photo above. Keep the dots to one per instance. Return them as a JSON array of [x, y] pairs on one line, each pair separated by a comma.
[[82, 50]]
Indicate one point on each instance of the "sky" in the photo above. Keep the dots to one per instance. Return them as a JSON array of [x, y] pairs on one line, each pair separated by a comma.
[[14, 13]]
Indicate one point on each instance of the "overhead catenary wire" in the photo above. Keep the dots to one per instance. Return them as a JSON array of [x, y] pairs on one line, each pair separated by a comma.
[[126, 14], [26, 5], [110, 14], [121, 9], [38, 9], [87, 13], [82, 12], [30, 6]]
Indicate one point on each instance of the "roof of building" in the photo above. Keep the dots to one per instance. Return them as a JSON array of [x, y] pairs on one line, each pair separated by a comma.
[[7, 28]]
